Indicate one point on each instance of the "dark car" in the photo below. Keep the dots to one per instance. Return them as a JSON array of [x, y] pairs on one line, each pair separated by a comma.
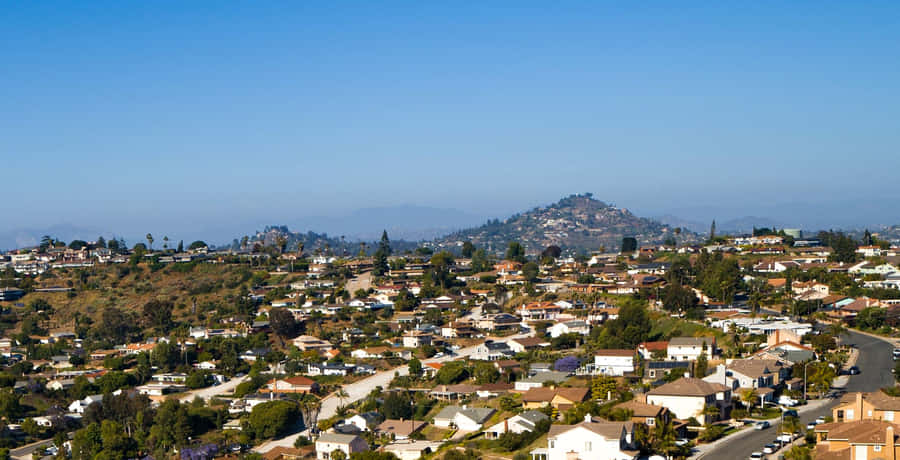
[[789, 413], [854, 370]]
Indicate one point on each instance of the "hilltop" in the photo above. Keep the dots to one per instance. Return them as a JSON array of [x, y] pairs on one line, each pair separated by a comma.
[[577, 223]]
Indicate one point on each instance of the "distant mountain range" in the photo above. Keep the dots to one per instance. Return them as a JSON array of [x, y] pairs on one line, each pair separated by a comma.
[[732, 226], [576, 223]]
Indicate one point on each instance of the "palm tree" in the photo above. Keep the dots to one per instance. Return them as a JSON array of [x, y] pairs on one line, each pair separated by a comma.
[[748, 397], [341, 394], [150, 241], [166, 242], [790, 425]]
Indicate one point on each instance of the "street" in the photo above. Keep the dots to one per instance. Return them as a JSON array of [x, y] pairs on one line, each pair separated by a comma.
[[875, 365]]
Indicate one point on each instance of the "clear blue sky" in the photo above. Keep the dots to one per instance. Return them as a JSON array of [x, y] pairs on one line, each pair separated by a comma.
[[189, 116]]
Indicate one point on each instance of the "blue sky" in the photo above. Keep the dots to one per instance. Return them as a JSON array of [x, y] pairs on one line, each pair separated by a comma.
[[198, 116]]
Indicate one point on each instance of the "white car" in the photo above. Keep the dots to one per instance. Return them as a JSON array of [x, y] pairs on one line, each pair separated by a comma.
[[811, 426], [784, 437], [756, 456], [769, 448], [820, 420]]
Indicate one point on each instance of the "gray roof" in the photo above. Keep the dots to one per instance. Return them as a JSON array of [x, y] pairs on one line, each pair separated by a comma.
[[337, 438], [691, 341], [476, 414], [549, 376]]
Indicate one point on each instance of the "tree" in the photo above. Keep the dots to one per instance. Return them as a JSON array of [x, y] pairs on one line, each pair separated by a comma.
[[273, 418], [629, 244], [415, 367], [397, 405], [158, 314], [165, 242], [516, 252], [748, 397], [199, 245], [552, 251], [180, 246], [567, 364], [712, 230], [452, 372], [380, 263], [530, 271], [798, 453], [701, 365], [282, 323], [150, 241], [485, 373], [468, 249]]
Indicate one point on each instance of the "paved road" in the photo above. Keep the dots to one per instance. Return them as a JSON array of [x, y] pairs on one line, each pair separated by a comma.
[[875, 365], [24, 452], [359, 390], [210, 392]]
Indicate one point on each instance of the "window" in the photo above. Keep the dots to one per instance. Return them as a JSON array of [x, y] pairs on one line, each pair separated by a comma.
[[651, 421], [889, 416], [587, 446], [552, 443], [877, 448]]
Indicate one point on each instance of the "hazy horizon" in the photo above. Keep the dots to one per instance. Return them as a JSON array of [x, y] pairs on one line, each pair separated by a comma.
[[199, 122]]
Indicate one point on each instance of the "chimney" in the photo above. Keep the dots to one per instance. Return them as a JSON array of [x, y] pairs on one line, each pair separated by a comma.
[[889, 443], [506, 426], [859, 406]]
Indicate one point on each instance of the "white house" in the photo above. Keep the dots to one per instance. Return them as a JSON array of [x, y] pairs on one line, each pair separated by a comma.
[[525, 422], [569, 327], [491, 351], [591, 440], [690, 348], [79, 406], [327, 443], [463, 418], [365, 421], [613, 362], [687, 397]]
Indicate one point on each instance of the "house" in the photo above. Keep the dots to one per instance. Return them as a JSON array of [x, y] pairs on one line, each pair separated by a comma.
[[562, 398], [690, 348], [453, 392], [539, 311], [492, 390], [590, 439], [688, 397], [327, 443], [79, 406], [399, 429], [297, 384], [308, 342], [521, 423], [867, 406], [498, 322], [365, 421], [647, 349], [569, 327], [648, 414], [526, 344], [656, 370], [859, 440], [538, 380], [413, 450], [758, 374], [416, 339], [463, 418], [370, 353], [491, 351], [613, 362]]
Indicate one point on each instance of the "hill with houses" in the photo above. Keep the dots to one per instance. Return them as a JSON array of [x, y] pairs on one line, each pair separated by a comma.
[[576, 223]]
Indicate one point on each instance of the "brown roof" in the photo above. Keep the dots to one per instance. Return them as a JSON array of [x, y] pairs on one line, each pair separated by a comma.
[[861, 431], [496, 387], [539, 394], [754, 368], [299, 380], [574, 394], [655, 346], [687, 386], [614, 353], [400, 427], [283, 452], [877, 399], [639, 409], [822, 453], [529, 342]]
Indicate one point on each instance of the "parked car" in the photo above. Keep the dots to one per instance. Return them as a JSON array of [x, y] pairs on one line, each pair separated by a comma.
[[762, 425], [756, 456], [811, 426], [820, 420], [785, 437], [853, 370], [789, 413], [769, 448]]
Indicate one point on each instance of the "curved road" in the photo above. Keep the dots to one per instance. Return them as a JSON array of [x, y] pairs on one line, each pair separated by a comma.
[[875, 366]]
